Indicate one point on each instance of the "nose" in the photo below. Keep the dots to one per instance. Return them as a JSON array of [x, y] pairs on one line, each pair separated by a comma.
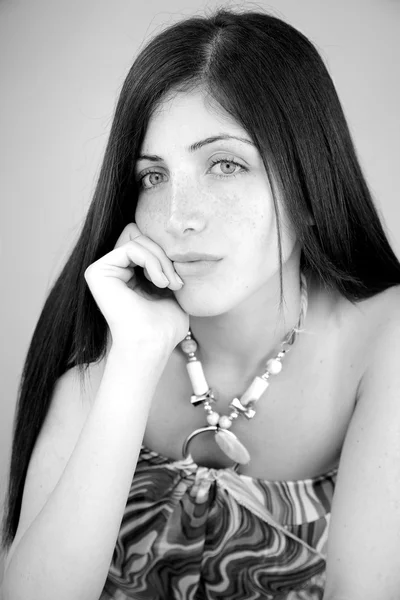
[[185, 212]]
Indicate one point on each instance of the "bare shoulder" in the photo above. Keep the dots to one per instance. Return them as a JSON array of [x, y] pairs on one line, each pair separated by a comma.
[[356, 325], [373, 314], [383, 353], [382, 306], [375, 323], [368, 484], [387, 305], [357, 330]]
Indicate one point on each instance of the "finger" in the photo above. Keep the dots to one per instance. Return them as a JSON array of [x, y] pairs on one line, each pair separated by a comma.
[[166, 264], [119, 262], [142, 257], [146, 274], [129, 233]]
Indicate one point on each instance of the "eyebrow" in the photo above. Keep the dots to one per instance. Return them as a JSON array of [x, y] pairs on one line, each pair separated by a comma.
[[198, 145]]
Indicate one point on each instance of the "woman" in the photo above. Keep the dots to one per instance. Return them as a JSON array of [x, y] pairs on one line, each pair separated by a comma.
[[231, 234]]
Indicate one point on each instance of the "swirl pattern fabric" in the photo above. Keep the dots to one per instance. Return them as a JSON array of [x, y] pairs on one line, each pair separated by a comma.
[[195, 533]]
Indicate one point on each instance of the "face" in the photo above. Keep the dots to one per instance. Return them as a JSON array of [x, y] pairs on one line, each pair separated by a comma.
[[214, 199]]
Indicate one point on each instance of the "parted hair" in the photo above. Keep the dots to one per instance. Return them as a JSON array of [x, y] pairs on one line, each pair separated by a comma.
[[272, 80]]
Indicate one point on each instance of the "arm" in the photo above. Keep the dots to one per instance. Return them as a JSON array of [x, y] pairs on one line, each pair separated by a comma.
[[364, 538], [66, 550]]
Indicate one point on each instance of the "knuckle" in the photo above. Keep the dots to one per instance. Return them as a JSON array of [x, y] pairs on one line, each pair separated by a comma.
[[89, 270], [132, 227], [129, 232], [133, 232], [134, 242], [151, 246]]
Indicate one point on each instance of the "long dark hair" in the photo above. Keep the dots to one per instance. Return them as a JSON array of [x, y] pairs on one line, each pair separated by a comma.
[[272, 81]]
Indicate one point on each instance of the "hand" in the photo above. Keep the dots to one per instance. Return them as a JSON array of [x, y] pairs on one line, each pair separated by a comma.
[[131, 313]]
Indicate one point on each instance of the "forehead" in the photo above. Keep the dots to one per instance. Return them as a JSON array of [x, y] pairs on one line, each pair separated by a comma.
[[187, 116]]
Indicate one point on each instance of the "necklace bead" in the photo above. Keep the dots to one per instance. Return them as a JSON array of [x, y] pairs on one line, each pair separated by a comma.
[[189, 346], [212, 418], [224, 422], [244, 406], [254, 392], [274, 366], [197, 377]]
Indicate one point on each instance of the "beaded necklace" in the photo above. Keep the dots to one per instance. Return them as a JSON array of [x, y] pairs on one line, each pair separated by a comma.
[[243, 406]]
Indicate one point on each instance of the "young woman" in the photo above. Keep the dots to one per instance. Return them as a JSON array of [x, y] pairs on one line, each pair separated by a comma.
[[213, 382]]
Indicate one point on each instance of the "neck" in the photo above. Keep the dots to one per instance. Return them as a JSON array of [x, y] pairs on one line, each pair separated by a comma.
[[239, 341]]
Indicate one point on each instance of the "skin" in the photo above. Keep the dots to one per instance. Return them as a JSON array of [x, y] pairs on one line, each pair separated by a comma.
[[189, 204], [234, 316]]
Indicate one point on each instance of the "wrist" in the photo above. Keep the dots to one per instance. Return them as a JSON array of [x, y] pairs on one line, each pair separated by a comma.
[[142, 346]]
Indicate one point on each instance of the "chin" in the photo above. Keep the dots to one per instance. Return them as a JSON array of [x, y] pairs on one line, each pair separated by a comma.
[[197, 304]]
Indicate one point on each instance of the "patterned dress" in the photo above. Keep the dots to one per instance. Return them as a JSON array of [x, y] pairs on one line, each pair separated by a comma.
[[196, 533]]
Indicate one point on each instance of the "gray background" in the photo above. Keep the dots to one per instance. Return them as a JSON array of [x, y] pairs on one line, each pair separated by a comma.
[[62, 64]]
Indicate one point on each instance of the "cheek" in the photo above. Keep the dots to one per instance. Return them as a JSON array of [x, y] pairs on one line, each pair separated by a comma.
[[252, 224], [253, 234], [147, 215], [241, 210]]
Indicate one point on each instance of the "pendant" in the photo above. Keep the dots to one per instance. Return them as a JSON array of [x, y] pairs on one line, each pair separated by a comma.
[[232, 447], [226, 440]]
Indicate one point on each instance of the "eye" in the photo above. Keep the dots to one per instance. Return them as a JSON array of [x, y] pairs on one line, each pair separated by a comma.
[[157, 179], [227, 161]]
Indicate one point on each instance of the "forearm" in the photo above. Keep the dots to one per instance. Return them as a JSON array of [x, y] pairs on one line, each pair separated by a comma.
[[67, 550]]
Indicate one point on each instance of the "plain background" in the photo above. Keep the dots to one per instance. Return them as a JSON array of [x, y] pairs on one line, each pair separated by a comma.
[[62, 64]]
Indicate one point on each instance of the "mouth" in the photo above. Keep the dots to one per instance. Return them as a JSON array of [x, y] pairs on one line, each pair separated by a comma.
[[196, 267]]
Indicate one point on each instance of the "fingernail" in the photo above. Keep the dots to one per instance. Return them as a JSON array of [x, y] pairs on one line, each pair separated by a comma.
[[179, 279]]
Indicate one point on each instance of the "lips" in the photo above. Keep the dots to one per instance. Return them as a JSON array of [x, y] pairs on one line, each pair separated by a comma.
[[196, 267], [193, 257]]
